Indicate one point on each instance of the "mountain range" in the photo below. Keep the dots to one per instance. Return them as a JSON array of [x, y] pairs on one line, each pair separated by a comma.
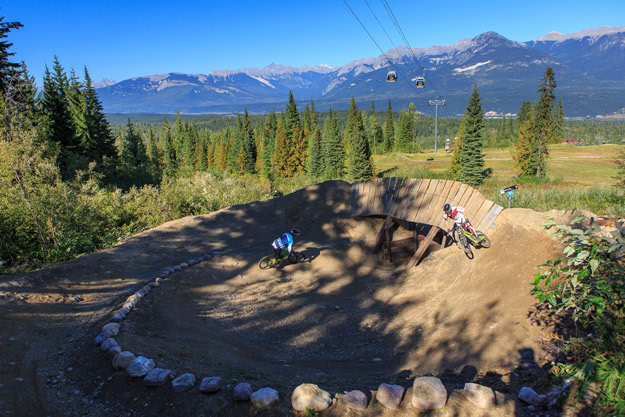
[[589, 68]]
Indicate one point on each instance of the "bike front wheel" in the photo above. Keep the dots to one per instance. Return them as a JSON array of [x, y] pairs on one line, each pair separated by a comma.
[[482, 239], [267, 262], [465, 245], [296, 257]]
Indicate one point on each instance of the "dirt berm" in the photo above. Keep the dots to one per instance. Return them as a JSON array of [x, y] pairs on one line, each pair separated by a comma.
[[343, 319]]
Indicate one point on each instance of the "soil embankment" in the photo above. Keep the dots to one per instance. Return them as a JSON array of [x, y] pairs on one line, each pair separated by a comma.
[[342, 320]]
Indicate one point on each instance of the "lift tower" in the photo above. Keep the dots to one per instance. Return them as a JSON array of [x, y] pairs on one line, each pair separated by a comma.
[[436, 103]]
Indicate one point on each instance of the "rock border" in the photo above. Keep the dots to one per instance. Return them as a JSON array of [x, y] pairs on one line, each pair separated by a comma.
[[153, 376]]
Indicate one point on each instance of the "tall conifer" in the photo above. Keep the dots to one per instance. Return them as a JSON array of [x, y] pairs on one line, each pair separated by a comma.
[[471, 153], [333, 149], [360, 162], [389, 130]]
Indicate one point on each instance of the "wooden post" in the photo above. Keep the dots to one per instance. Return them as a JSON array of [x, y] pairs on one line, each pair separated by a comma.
[[381, 234], [388, 244], [423, 247]]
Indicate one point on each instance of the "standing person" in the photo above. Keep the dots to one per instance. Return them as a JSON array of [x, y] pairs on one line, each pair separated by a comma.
[[284, 244]]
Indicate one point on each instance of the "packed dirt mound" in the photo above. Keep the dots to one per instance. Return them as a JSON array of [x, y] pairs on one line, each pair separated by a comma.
[[343, 319]]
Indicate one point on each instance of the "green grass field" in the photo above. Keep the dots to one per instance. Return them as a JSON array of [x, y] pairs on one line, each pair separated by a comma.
[[578, 177]]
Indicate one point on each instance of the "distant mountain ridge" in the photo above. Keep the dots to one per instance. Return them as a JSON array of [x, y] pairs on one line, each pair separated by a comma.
[[589, 68]]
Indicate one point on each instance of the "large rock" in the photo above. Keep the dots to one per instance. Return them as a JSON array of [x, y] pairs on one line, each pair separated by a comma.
[[101, 338], [111, 329], [140, 367], [531, 397], [112, 352], [184, 382], [428, 393], [390, 395], [117, 316], [157, 377], [108, 344], [123, 359], [211, 384], [265, 398], [479, 395], [310, 397], [242, 391], [356, 400]]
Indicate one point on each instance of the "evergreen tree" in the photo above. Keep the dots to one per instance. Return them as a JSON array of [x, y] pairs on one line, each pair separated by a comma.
[[524, 151], [389, 130], [558, 123], [154, 158], [102, 144], [283, 154], [78, 109], [542, 121], [179, 136], [249, 144], [456, 165], [133, 164], [333, 149], [299, 155], [234, 136], [406, 131], [58, 119], [8, 69], [315, 167], [169, 152], [620, 163], [269, 138], [360, 163], [374, 129], [291, 120], [471, 152], [525, 113]]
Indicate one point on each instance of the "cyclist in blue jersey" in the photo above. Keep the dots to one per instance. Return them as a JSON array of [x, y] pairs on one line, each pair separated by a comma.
[[284, 244]]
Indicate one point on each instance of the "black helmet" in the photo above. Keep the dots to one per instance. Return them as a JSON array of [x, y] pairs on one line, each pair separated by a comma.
[[295, 232], [446, 207]]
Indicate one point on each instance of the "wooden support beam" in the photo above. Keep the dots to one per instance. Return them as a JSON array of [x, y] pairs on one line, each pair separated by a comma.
[[388, 244], [381, 234], [423, 246]]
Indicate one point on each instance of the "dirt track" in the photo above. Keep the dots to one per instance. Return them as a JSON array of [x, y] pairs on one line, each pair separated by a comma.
[[342, 320]]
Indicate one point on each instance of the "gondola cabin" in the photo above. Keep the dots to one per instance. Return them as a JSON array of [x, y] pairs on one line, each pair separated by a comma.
[[391, 77], [420, 82]]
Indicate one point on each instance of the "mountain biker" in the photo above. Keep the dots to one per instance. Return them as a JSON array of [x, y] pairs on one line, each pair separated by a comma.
[[284, 244], [457, 214]]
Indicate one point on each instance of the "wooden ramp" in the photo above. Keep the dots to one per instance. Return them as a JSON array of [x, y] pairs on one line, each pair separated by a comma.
[[419, 201]]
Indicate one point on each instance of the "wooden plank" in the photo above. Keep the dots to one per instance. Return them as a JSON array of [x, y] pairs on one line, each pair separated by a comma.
[[461, 190], [409, 241], [414, 206], [423, 247], [399, 188], [380, 239], [466, 197], [432, 199], [378, 196], [368, 187], [410, 199], [364, 196], [473, 205], [455, 186], [388, 196], [418, 204], [382, 187], [426, 202], [486, 206], [401, 198], [489, 218], [353, 193], [437, 213]]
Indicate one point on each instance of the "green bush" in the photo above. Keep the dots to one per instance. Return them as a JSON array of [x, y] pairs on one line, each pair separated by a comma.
[[586, 286]]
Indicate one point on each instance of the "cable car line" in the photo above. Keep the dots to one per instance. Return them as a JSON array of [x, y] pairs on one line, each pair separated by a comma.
[[376, 44]]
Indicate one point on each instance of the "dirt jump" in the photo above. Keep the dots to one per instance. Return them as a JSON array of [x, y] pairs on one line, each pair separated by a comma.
[[344, 319]]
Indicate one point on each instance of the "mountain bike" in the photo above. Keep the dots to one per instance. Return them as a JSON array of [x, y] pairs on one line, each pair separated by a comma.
[[270, 261], [467, 236]]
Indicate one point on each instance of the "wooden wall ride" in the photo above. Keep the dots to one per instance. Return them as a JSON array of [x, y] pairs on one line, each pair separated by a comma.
[[419, 201]]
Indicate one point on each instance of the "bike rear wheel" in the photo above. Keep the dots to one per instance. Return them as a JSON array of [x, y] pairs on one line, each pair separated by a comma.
[[482, 239], [296, 257], [267, 262]]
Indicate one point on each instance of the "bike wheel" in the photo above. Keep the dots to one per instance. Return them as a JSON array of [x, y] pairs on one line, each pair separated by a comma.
[[267, 262], [465, 245], [296, 257], [482, 239]]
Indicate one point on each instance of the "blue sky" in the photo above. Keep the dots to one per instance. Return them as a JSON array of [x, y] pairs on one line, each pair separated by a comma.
[[123, 39]]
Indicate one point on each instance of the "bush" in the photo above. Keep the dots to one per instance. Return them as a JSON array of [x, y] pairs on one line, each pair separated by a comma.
[[586, 285]]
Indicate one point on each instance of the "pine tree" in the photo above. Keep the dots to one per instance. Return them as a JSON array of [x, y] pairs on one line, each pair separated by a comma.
[[291, 119], [78, 109], [249, 144], [269, 139], [374, 128], [169, 152], [102, 145], [154, 158], [300, 151], [360, 163], [620, 163], [471, 152], [389, 130], [283, 154], [58, 119], [525, 113], [333, 149], [8, 69], [558, 123], [456, 165], [543, 120], [133, 163], [406, 131], [315, 167], [524, 151]]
